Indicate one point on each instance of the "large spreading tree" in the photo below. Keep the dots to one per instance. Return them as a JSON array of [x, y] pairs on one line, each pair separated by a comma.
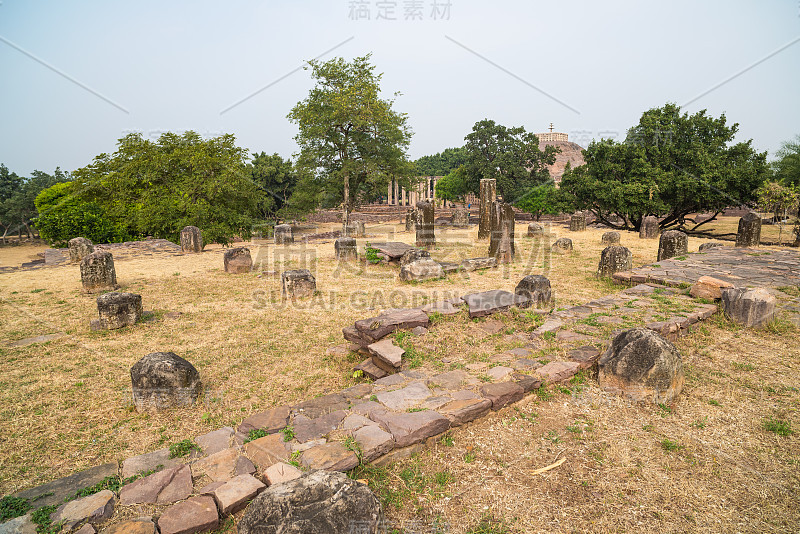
[[442, 163], [157, 188], [509, 155], [18, 196], [787, 166], [351, 140], [670, 165]]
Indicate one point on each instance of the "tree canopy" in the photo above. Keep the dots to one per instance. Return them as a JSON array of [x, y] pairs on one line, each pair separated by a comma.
[[453, 186], [509, 155], [18, 195], [545, 199], [276, 178], [787, 166], [442, 163], [157, 188], [351, 140], [670, 165]]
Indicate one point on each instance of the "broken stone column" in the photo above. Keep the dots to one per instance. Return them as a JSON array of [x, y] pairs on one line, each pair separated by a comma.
[[501, 240], [610, 238], [426, 236], [411, 220], [191, 239], [237, 260], [749, 307], [562, 244], [649, 228], [346, 249], [461, 218], [355, 229], [97, 272], [164, 380], [643, 366], [79, 248], [577, 222], [117, 310], [614, 259], [536, 288], [672, 243], [298, 283], [749, 233], [535, 230], [284, 234], [488, 194]]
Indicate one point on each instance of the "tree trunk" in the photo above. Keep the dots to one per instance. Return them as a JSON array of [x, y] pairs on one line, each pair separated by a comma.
[[346, 204]]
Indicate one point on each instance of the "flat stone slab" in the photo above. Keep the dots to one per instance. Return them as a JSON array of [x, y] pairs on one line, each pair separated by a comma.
[[489, 302], [558, 371], [370, 370], [453, 380], [36, 339], [133, 526], [376, 328], [499, 372], [442, 308], [148, 462], [270, 421], [525, 364], [68, 486], [410, 428], [374, 441], [236, 493], [502, 393], [586, 356], [459, 412], [330, 456], [405, 398], [93, 508], [164, 487], [393, 250], [306, 429], [320, 406], [19, 525], [267, 450], [388, 353], [215, 441], [193, 515], [223, 465], [280, 473]]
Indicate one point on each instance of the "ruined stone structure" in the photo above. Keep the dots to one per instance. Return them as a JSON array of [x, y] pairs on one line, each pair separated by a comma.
[[571, 153], [488, 193], [501, 241], [191, 239], [425, 232]]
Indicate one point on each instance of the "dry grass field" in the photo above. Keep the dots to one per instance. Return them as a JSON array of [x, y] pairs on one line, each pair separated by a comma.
[[708, 463]]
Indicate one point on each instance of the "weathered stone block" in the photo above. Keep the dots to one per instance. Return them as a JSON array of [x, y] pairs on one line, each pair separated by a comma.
[[98, 273], [346, 249], [355, 229], [649, 229], [426, 236], [117, 310], [501, 240], [749, 232], [643, 366], [562, 244], [488, 194], [191, 239], [536, 288], [460, 218], [708, 287], [197, 514], [423, 269], [614, 259], [474, 264], [298, 283], [535, 230], [610, 238], [749, 307], [671, 244], [164, 380], [237, 260], [79, 248], [284, 234], [577, 222]]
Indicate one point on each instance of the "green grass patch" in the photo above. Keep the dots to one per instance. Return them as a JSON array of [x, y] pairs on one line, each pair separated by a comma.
[[11, 507], [778, 426], [183, 448], [255, 434]]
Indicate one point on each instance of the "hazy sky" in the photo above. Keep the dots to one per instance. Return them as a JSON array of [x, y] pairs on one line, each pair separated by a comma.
[[76, 76]]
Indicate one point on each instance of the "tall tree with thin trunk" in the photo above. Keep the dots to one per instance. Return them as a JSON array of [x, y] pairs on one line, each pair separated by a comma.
[[351, 140]]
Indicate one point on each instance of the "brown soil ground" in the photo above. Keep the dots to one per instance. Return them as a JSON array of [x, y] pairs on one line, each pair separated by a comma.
[[705, 464]]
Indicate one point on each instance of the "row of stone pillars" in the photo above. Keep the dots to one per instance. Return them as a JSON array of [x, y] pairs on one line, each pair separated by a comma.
[[425, 190]]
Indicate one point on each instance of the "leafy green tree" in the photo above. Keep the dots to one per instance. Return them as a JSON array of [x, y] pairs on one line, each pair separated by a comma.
[[277, 178], [441, 163], [509, 155], [10, 183], [453, 186], [670, 165], [62, 216], [157, 188], [19, 209], [778, 199], [545, 199], [787, 166], [351, 140]]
